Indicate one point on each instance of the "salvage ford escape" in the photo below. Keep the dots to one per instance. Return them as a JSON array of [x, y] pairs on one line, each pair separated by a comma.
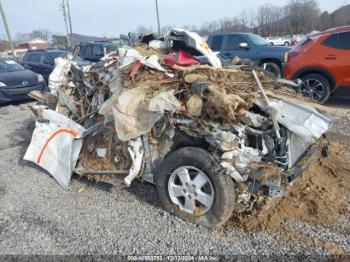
[[210, 138]]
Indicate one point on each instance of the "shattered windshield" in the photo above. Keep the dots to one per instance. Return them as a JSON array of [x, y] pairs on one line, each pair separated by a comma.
[[258, 40], [10, 66]]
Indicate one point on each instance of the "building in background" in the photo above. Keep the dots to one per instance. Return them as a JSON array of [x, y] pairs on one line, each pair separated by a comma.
[[34, 44], [4, 45]]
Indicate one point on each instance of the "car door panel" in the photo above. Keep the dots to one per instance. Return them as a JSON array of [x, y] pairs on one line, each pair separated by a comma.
[[342, 56], [46, 66], [33, 63], [231, 47], [336, 55]]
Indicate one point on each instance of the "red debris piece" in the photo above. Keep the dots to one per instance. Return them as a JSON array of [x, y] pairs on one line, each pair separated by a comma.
[[135, 68], [181, 58]]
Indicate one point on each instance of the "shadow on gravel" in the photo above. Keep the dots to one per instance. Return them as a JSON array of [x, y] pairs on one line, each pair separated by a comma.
[[339, 102], [24, 134], [2, 191], [88, 182], [145, 192]]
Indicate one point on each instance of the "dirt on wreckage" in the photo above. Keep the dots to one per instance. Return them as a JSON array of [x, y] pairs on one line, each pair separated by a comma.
[[321, 196], [210, 97]]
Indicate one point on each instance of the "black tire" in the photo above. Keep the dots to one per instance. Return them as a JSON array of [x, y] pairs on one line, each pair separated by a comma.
[[224, 190], [274, 69], [286, 43], [324, 84]]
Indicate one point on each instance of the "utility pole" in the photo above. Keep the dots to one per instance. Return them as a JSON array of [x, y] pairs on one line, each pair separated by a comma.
[[69, 18], [158, 16], [7, 29], [64, 11]]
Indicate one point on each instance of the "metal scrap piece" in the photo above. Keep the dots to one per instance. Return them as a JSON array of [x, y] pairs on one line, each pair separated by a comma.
[[136, 152]]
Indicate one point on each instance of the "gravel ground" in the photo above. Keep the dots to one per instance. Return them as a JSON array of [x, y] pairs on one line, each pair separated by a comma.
[[38, 217]]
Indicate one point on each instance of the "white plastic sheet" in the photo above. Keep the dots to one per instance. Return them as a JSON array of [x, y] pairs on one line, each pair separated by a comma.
[[136, 110], [55, 146], [58, 75]]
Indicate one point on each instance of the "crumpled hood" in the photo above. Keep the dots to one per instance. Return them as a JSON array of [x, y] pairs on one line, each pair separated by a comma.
[[302, 120]]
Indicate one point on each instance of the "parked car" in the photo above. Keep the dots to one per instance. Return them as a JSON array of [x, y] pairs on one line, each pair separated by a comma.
[[16, 82], [280, 40], [296, 39], [322, 61], [94, 51], [42, 61], [250, 46]]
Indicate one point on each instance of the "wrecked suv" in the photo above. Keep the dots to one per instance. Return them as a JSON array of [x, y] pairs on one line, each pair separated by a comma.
[[211, 139]]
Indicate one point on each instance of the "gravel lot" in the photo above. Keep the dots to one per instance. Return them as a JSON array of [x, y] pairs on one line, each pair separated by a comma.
[[38, 217]]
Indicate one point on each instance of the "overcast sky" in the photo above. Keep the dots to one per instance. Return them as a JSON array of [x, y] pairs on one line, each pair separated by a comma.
[[112, 17]]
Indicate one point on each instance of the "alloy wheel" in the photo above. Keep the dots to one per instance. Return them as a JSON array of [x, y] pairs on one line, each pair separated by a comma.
[[191, 190], [313, 89]]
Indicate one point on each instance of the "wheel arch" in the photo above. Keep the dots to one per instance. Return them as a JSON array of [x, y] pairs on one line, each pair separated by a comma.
[[316, 70], [273, 60], [181, 140]]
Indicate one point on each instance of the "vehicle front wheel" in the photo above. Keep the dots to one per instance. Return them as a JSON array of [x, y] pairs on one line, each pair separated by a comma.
[[189, 187], [316, 87], [286, 43]]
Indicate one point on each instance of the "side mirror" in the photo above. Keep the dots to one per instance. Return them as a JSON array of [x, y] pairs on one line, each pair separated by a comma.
[[244, 46]]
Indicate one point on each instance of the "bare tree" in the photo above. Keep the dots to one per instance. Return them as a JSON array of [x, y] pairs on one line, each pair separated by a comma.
[[141, 29], [298, 16], [302, 16]]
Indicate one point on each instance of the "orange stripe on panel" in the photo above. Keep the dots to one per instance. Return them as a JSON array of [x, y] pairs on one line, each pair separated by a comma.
[[59, 131]]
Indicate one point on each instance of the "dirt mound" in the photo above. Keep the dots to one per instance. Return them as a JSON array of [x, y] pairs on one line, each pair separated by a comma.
[[320, 196]]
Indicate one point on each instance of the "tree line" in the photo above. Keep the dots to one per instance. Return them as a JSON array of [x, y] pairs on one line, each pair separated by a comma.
[[297, 17]]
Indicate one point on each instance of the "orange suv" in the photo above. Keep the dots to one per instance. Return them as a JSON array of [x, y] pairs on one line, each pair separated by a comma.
[[322, 61]]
